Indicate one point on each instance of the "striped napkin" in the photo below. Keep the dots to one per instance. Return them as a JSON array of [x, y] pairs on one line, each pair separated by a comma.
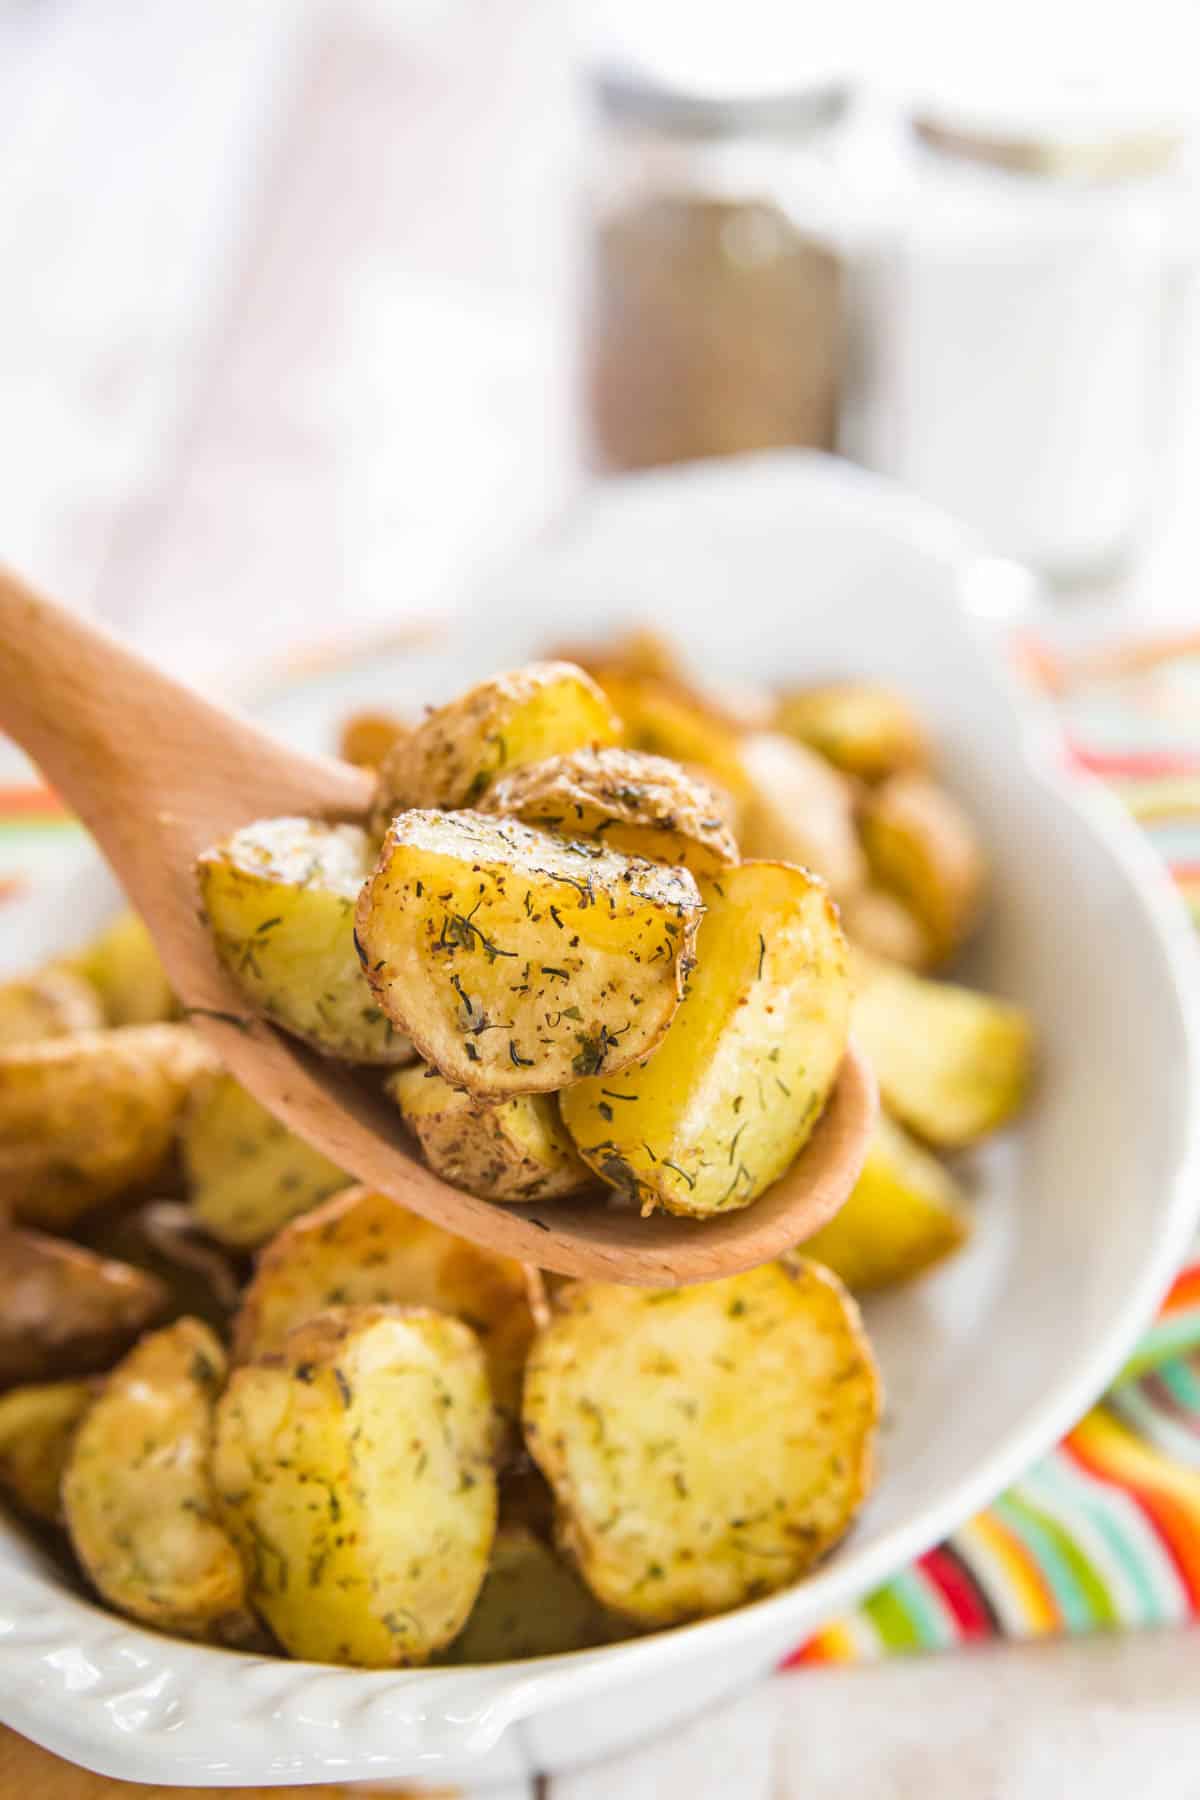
[[1104, 1532]]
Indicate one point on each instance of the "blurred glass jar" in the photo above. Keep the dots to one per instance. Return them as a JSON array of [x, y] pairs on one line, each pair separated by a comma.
[[1010, 317], [713, 306]]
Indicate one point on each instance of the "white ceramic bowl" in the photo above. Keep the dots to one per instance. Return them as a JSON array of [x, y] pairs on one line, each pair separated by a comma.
[[774, 567]]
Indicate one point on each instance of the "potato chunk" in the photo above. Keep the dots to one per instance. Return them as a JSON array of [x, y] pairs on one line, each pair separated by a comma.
[[138, 1495], [642, 805], [124, 967], [83, 1118], [362, 1249], [499, 1149], [353, 1471], [658, 719], [49, 1004], [952, 1064], [734, 1090], [799, 810], [905, 1214], [705, 1445], [922, 847], [531, 1603], [863, 727], [247, 1173], [517, 962], [458, 750], [66, 1311], [882, 924], [280, 897], [37, 1429], [366, 737]]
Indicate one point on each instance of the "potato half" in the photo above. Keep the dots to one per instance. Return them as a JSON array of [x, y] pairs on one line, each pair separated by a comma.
[[882, 924], [123, 965], [922, 847], [362, 1249], [532, 1603], [138, 1495], [83, 1118], [458, 750], [354, 1472], [247, 1173], [705, 1445], [657, 718], [639, 804], [52, 1003], [37, 1428], [863, 727], [799, 810], [512, 1149], [736, 1087], [65, 1310], [952, 1064], [280, 896], [905, 1214], [518, 962]]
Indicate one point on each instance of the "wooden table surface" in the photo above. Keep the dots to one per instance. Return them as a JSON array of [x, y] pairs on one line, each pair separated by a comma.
[[290, 351]]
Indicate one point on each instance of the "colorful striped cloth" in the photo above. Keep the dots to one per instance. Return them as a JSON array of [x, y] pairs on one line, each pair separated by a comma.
[[1104, 1532]]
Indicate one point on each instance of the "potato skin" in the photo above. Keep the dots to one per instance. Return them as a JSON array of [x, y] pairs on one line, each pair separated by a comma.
[[279, 896], [799, 810], [138, 1495], [66, 1311], [84, 1118], [953, 1065], [706, 1445], [37, 1428], [353, 1470], [905, 1214], [518, 962], [51, 1003], [642, 805], [735, 1089], [515, 1150], [458, 750], [863, 727], [247, 1173], [532, 1603], [363, 1249], [922, 847]]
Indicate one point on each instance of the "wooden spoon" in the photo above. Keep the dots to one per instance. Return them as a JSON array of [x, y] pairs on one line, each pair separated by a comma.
[[157, 774]]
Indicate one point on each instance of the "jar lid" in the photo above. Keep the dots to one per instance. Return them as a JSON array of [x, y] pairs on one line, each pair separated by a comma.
[[629, 93]]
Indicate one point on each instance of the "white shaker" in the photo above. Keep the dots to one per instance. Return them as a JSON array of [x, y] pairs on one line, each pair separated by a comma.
[[1008, 311]]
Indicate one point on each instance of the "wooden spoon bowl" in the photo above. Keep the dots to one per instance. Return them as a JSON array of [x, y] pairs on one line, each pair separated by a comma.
[[157, 774]]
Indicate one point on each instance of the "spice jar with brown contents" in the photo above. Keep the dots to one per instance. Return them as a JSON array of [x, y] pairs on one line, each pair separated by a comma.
[[713, 304]]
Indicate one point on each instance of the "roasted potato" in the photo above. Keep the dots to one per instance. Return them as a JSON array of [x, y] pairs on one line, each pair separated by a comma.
[[458, 750], [84, 1118], [165, 1238], [733, 1092], [642, 805], [906, 1212], [52, 1003], [499, 1149], [518, 962], [353, 1470], [247, 1174], [921, 846], [279, 896], [124, 967], [65, 1310], [642, 653], [138, 1494], [882, 924], [531, 1603], [658, 719], [366, 737], [706, 1445], [863, 727], [37, 1429], [952, 1064], [362, 1249], [797, 809]]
